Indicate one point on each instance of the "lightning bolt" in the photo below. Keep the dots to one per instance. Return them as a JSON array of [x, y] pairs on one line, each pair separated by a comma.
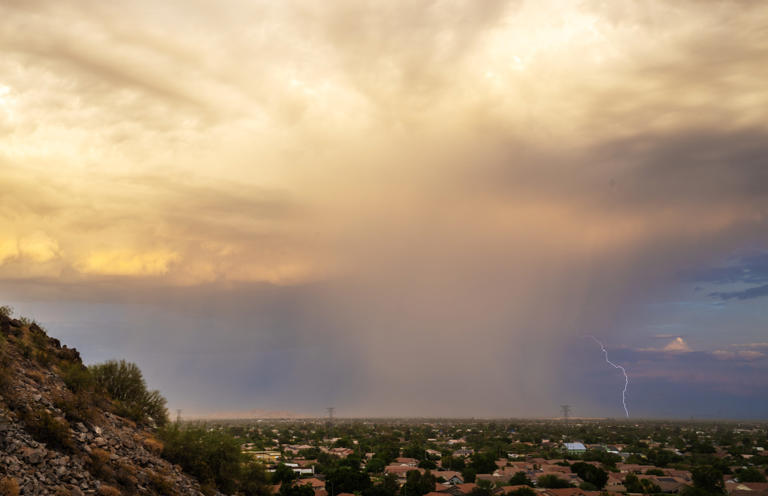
[[623, 371]]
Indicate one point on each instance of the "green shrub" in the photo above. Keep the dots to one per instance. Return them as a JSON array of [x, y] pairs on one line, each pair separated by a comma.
[[213, 457], [78, 378], [6, 311], [124, 383]]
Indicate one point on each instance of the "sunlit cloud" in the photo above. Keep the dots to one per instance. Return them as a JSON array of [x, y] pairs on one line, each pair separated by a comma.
[[125, 263], [677, 345]]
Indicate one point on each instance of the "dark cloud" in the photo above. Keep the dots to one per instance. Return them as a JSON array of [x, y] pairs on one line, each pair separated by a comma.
[[747, 269], [752, 269], [747, 294]]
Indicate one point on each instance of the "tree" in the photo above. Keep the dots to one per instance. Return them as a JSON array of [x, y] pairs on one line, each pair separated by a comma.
[[750, 475], [649, 487], [632, 484], [345, 479], [388, 486], [520, 479], [551, 481], [709, 479], [523, 491], [662, 457], [375, 465], [428, 464], [254, 481], [296, 490], [453, 463], [283, 474], [591, 474], [469, 474], [483, 463], [417, 484], [484, 488]]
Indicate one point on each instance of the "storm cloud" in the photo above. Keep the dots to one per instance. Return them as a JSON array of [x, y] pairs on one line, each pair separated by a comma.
[[383, 206]]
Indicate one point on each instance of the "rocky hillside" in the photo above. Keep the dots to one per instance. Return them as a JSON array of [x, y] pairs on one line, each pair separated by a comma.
[[59, 436]]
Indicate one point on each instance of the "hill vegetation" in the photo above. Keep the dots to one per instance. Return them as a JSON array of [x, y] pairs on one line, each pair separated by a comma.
[[69, 429]]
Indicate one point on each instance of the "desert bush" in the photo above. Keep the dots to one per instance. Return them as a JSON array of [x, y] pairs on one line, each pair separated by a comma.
[[210, 456], [36, 376], [77, 378], [43, 358], [125, 384], [76, 408], [9, 487], [25, 349], [153, 445], [99, 465], [126, 477], [105, 490], [162, 484], [44, 428], [5, 378], [38, 336]]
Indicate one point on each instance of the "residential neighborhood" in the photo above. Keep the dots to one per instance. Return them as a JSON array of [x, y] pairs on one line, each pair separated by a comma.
[[320, 457]]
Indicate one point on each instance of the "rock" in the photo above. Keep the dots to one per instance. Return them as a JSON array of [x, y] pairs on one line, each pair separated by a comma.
[[34, 456]]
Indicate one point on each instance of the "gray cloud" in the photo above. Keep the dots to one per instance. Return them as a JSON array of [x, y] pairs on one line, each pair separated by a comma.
[[747, 294]]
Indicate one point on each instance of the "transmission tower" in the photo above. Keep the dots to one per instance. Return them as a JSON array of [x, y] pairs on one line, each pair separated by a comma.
[[330, 410], [178, 416], [566, 411]]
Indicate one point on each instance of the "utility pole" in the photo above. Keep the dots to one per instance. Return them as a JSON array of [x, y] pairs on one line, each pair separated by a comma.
[[566, 411]]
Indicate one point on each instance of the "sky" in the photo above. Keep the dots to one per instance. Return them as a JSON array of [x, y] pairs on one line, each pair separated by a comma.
[[400, 208]]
